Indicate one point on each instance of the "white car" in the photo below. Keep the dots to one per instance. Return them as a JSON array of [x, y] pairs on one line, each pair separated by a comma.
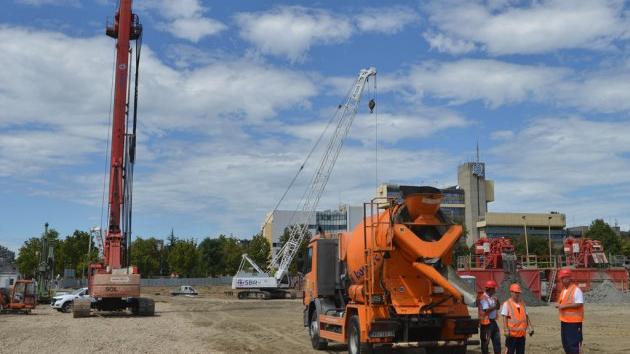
[[63, 303]]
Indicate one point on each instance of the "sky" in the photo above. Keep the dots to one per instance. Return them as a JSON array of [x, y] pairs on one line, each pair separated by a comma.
[[233, 94]]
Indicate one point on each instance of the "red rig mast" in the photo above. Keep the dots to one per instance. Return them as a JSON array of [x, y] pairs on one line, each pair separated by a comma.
[[115, 284]]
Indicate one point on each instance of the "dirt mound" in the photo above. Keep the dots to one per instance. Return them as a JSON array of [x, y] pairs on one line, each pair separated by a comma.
[[503, 293], [606, 293]]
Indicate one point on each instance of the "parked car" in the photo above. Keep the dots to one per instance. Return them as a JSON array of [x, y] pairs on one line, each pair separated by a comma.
[[184, 290], [63, 303]]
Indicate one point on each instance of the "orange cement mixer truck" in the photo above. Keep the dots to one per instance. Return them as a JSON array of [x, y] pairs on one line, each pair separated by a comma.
[[386, 283]]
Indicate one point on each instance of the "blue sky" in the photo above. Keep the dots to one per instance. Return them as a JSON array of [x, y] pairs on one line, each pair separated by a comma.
[[234, 93]]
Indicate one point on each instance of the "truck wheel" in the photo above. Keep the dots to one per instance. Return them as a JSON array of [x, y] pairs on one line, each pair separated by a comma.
[[313, 331], [67, 307], [146, 307], [81, 308], [354, 338]]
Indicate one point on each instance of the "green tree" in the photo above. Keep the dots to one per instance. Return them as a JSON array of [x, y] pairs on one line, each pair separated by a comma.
[[72, 253], [232, 251], [211, 255], [145, 254], [259, 250], [298, 262], [183, 258], [625, 247], [28, 257], [538, 246], [28, 254], [600, 230]]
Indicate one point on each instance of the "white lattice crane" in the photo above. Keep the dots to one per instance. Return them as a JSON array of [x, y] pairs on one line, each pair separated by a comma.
[[271, 283]]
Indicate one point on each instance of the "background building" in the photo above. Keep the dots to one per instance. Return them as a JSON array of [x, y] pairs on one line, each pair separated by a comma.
[[478, 192], [8, 269], [342, 219], [494, 225]]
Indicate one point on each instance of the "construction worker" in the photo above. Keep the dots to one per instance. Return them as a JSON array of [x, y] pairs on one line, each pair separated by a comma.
[[516, 322], [571, 309], [488, 328]]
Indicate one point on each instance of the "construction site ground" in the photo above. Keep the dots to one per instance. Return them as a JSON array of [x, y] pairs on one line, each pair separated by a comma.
[[215, 323]]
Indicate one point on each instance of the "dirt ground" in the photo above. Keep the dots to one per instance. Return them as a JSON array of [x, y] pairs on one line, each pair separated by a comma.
[[216, 323]]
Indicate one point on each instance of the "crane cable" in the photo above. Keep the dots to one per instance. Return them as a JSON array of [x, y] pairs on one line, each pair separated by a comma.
[[109, 123]]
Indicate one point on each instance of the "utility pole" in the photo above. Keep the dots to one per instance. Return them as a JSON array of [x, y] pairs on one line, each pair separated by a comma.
[[549, 236], [526, 244]]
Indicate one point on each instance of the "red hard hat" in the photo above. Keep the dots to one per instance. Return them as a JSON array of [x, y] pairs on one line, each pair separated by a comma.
[[565, 273], [515, 288], [491, 284]]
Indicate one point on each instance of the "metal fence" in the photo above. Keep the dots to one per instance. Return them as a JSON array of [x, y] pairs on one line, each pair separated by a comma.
[[158, 282]]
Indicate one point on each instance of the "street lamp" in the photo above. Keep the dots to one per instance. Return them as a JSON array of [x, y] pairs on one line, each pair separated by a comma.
[[549, 236], [526, 244]]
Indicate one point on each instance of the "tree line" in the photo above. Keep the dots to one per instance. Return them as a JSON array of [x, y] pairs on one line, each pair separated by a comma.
[[212, 257]]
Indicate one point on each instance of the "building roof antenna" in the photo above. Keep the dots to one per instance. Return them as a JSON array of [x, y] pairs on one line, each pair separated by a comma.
[[477, 150]]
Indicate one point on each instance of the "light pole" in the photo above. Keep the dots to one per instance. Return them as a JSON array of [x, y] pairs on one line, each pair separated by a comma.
[[526, 244], [549, 236]]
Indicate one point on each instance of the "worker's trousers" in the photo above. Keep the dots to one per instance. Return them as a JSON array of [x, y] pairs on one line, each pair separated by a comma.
[[571, 334], [490, 333], [515, 345]]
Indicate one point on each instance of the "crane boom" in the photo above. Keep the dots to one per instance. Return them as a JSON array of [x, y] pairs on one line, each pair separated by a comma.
[[279, 265], [346, 115]]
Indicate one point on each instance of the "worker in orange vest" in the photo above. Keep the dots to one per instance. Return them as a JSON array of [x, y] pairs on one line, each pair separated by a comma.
[[488, 329], [516, 322], [571, 309]]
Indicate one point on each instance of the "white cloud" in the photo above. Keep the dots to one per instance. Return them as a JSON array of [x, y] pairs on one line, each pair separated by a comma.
[[571, 164], [494, 82], [499, 83], [290, 31], [502, 135], [392, 127], [185, 19], [568, 153], [50, 2], [56, 100], [390, 20], [537, 28], [445, 44]]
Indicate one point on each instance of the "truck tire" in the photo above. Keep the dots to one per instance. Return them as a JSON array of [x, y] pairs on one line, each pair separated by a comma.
[[313, 331], [66, 307], [146, 307], [354, 338], [81, 308]]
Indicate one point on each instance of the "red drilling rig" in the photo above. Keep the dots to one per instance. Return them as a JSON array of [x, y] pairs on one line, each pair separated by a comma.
[[497, 253], [114, 283], [584, 252]]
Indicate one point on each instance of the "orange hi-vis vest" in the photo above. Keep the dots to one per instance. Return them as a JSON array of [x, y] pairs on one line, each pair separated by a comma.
[[484, 318], [517, 319], [571, 315]]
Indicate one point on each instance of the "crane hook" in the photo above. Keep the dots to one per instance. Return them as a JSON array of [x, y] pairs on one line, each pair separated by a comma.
[[371, 105]]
